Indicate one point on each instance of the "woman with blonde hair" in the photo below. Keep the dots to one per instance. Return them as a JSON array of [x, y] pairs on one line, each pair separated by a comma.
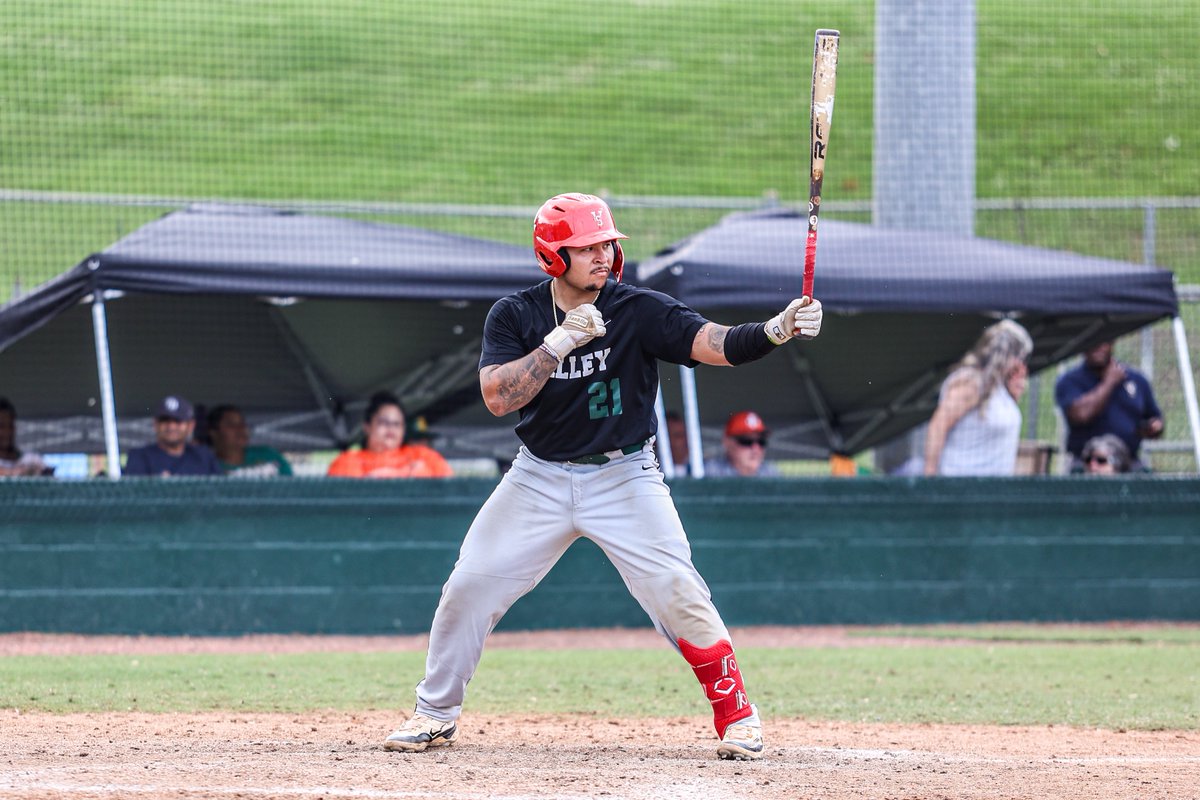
[[976, 428]]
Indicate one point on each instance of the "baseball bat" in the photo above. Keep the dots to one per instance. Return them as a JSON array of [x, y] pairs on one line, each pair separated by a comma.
[[824, 77]]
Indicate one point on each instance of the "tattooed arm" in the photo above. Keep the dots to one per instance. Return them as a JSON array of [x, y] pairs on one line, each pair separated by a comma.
[[709, 345], [724, 346], [507, 387]]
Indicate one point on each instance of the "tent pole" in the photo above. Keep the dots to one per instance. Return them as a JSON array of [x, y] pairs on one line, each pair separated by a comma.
[[1189, 384], [691, 419], [335, 420], [666, 459], [108, 403], [1149, 234]]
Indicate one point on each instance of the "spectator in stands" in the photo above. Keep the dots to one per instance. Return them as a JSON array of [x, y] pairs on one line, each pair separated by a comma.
[[1106, 455], [13, 462], [976, 428], [1102, 395], [745, 445], [385, 453], [173, 452], [230, 437], [677, 435]]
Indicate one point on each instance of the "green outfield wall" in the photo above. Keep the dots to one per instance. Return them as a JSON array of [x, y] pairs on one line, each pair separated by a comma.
[[215, 556]]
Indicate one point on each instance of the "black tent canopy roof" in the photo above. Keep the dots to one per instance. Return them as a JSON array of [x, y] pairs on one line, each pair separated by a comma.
[[298, 318], [901, 308]]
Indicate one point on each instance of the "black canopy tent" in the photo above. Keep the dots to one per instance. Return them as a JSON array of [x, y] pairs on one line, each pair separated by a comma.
[[295, 318], [901, 307], [298, 318]]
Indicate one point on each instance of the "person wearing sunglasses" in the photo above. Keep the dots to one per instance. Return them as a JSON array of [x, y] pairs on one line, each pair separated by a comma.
[[1105, 455], [745, 449]]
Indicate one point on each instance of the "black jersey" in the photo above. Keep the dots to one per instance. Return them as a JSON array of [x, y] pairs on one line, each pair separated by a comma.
[[601, 397]]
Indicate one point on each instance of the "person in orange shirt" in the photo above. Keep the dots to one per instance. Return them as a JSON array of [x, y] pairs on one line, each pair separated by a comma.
[[385, 455]]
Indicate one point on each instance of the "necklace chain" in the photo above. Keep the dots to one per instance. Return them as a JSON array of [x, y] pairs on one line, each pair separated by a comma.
[[554, 302]]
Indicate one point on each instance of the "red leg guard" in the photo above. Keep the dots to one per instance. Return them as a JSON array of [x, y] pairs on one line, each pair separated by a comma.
[[718, 673]]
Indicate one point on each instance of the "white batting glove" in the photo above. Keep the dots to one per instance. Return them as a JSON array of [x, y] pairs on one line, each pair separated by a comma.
[[580, 325], [802, 318]]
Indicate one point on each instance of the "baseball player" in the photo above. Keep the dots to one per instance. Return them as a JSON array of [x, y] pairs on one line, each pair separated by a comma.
[[577, 356]]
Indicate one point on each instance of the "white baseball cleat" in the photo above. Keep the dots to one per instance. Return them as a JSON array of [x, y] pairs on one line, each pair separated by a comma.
[[421, 732], [743, 739]]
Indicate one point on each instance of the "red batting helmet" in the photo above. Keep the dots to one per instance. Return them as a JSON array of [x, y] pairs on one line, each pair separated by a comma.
[[574, 220]]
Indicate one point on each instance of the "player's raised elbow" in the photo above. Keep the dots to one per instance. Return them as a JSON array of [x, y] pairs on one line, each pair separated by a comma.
[[493, 398], [496, 406]]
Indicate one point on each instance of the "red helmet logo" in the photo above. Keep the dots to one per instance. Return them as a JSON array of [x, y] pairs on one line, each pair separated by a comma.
[[574, 220]]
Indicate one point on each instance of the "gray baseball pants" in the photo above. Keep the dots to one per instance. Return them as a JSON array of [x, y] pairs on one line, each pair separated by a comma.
[[536, 512]]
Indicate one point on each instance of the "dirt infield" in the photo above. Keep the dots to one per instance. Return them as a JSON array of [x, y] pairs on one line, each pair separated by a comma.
[[337, 754]]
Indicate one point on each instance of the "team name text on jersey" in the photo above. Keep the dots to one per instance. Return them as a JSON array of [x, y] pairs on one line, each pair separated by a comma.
[[582, 366]]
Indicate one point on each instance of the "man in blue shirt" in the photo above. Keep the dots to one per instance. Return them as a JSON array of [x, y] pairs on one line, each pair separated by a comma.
[[1102, 396], [173, 452]]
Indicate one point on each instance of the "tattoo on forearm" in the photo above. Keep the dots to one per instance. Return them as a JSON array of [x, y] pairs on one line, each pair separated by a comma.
[[716, 338], [518, 381]]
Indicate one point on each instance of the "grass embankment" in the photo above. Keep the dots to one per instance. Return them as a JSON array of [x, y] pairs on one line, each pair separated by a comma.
[[470, 102]]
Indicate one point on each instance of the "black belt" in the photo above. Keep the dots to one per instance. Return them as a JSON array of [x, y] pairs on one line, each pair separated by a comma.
[[608, 455]]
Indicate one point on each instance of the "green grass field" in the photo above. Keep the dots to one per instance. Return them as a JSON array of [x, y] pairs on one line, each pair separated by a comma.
[[1093, 678], [482, 101]]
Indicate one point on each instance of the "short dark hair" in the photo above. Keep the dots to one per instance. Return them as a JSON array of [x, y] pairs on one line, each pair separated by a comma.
[[378, 401], [6, 405], [213, 418]]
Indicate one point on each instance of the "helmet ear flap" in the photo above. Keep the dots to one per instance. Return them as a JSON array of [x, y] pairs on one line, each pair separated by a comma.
[[550, 260]]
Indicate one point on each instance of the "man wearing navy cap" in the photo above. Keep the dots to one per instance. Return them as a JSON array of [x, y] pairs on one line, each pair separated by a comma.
[[173, 452]]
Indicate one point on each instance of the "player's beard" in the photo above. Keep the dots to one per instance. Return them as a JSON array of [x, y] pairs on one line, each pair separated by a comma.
[[594, 282]]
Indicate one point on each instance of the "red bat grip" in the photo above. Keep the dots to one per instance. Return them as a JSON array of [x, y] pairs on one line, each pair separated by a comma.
[[810, 263]]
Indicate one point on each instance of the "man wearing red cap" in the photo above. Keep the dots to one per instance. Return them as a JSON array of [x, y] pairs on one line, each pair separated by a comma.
[[745, 444]]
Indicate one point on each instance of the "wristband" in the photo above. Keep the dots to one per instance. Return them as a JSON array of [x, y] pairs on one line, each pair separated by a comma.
[[558, 341], [747, 342], [545, 348]]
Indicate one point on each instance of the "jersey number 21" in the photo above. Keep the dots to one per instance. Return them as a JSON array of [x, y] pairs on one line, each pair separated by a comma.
[[604, 399]]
